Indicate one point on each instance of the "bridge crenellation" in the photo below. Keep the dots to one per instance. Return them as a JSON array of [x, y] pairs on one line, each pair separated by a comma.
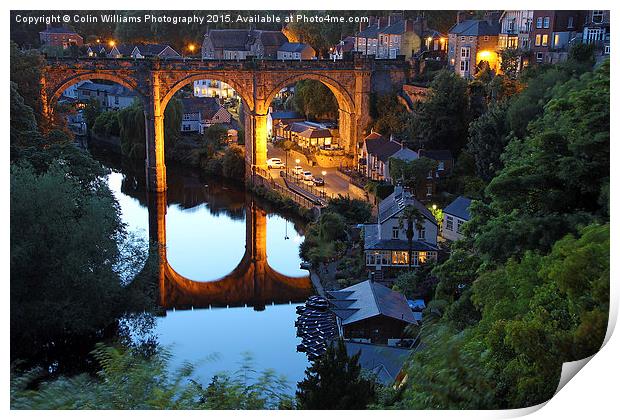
[[255, 81]]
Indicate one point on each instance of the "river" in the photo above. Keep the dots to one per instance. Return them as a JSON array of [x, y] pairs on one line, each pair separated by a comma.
[[219, 294]]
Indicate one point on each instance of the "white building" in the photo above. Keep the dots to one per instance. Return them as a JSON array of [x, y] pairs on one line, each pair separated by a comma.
[[200, 113], [213, 89], [386, 245], [455, 215]]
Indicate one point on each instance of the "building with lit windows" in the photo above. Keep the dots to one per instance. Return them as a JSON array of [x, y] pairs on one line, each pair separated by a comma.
[[470, 42], [60, 37], [213, 89], [386, 246], [553, 32], [596, 32]]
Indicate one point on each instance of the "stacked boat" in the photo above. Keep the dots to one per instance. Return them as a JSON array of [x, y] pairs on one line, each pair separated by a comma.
[[316, 326]]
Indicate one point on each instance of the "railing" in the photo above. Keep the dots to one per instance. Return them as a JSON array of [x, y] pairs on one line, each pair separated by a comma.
[[318, 192], [264, 178]]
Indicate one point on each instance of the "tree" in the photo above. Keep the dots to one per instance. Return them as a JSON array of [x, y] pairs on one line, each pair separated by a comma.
[[315, 100], [26, 74], [333, 382], [410, 217], [233, 163], [91, 112], [511, 61], [413, 174], [353, 210], [23, 128], [488, 136], [128, 380], [67, 245], [441, 120]]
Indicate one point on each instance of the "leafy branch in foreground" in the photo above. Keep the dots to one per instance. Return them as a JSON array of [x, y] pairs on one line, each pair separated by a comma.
[[128, 380]]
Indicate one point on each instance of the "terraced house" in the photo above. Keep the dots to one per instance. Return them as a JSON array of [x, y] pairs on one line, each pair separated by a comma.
[[471, 42]]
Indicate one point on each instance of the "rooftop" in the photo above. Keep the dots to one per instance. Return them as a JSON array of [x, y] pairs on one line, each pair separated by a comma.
[[293, 47], [112, 89], [436, 154], [459, 208], [475, 28], [369, 299], [385, 362], [207, 107], [153, 49], [397, 201], [382, 148]]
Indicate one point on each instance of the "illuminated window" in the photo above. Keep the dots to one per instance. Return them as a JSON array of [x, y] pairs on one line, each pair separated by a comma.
[[556, 40], [545, 40]]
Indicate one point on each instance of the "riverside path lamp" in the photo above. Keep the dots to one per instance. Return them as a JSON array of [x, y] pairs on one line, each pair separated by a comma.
[[297, 172], [323, 173]]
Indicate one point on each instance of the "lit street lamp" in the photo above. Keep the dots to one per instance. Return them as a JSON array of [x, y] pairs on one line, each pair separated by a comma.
[[297, 172], [324, 173]]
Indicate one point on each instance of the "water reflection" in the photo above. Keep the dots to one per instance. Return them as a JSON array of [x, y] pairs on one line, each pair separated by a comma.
[[207, 226], [253, 282]]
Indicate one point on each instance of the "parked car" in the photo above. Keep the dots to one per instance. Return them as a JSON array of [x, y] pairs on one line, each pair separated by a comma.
[[307, 175], [318, 181], [275, 163], [298, 170]]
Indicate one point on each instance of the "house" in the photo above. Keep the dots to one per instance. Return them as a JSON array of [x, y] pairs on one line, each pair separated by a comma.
[[344, 46], [213, 89], [515, 29], [238, 44], [371, 312], [200, 113], [552, 32], [154, 50], [120, 51], [471, 42], [278, 121], [454, 216], [96, 50], [392, 36], [295, 51], [434, 44], [596, 31], [60, 37], [385, 363], [110, 97], [386, 246], [376, 153], [310, 135]]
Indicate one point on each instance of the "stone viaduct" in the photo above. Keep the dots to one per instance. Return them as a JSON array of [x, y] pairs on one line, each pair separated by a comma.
[[253, 282], [256, 81]]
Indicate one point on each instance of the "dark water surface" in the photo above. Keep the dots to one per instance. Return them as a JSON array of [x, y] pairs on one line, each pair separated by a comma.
[[206, 224]]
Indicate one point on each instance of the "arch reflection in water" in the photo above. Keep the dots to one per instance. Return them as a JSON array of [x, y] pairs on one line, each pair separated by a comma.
[[253, 282]]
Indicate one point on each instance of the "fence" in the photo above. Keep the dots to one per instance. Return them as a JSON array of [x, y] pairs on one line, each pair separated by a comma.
[[265, 179]]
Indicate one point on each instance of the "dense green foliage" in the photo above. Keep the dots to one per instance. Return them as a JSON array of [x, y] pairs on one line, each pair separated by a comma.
[[129, 381], [528, 289], [334, 382], [315, 100]]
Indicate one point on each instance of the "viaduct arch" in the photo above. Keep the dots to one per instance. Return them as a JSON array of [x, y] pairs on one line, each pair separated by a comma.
[[253, 282], [257, 82]]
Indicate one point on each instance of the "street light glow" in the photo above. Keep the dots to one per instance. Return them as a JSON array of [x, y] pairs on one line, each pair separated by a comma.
[[191, 47], [324, 173], [112, 43]]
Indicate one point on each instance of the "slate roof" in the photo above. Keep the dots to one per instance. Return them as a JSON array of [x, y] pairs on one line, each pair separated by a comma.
[[271, 38], [475, 28], [370, 299], [397, 28], [385, 362], [315, 133], [293, 47], [371, 31], [229, 38], [381, 147], [459, 208], [109, 89], [347, 44], [123, 49], [436, 154], [285, 115], [398, 200], [405, 154], [207, 107], [153, 49]]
